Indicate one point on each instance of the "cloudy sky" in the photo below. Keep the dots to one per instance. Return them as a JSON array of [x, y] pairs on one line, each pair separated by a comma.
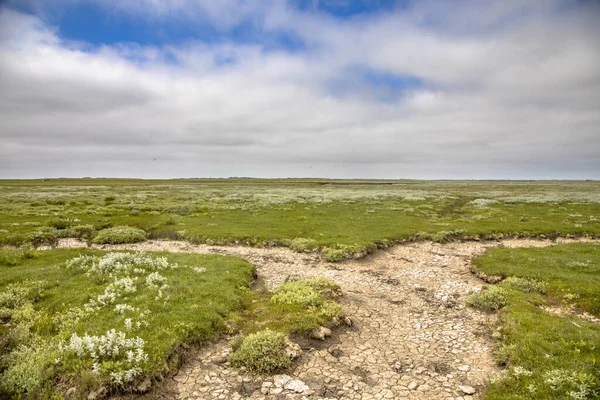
[[322, 88]]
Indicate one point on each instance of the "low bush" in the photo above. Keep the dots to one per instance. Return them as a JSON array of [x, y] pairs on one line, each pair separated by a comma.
[[526, 285], [120, 234], [261, 352], [492, 298], [309, 292], [86, 232], [45, 235], [335, 255]]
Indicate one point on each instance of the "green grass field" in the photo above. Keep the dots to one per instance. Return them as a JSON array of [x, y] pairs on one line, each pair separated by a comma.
[[49, 301], [548, 356], [64, 312], [350, 217]]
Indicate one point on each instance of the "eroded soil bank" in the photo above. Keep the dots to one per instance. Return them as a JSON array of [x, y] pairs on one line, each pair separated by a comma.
[[412, 336]]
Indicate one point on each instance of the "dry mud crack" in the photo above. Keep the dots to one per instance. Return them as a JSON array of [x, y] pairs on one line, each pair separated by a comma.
[[412, 335]]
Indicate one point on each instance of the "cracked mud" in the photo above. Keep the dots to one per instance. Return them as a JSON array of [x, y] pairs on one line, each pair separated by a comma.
[[412, 337]]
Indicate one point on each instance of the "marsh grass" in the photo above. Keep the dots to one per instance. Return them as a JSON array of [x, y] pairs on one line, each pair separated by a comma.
[[344, 218], [547, 356]]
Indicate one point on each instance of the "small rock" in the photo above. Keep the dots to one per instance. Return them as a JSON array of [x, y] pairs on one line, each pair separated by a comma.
[[320, 333], [335, 351], [296, 386], [281, 380], [292, 350], [467, 389], [348, 321], [464, 368], [413, 385], [423, 387]]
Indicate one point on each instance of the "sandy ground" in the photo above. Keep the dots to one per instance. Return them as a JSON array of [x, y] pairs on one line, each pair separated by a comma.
[[412, 337]]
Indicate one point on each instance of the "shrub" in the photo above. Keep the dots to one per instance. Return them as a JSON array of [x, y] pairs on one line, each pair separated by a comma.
[[331, 310], [27, 370], [492, 298], [334, 255], [310, 292], [526, 285], [45, 235], [120, 234], [58, 223], [86, 232], [301, 245], [297, 293], [261, 352]]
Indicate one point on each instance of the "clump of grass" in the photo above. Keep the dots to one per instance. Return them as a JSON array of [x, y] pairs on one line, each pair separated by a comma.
[[492, 298], [528, 285], [120, 234], [309, 293], [335, 255], [261, 352], [302, 245]]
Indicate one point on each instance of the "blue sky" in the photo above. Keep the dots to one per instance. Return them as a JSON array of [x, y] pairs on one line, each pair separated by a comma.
[[334, 88]]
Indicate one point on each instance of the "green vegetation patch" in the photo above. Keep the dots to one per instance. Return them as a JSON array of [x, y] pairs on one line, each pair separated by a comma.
[[261, 352], [295, 307], [120, 234], [569, 272], [89, 318], [547, 356], [341, 218], [491, 298]]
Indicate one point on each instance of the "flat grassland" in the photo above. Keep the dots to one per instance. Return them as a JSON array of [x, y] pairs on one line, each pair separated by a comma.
[[85, 318], [342, 218]]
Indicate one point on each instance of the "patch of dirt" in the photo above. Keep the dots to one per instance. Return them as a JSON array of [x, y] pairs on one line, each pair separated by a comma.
[[412, 335], [571, 312]]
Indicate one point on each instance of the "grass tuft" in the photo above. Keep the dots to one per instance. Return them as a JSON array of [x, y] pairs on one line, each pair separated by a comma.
[[491, 298], [261, 352]]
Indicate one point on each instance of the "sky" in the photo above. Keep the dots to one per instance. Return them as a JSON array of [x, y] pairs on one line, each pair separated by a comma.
[[428, 89]]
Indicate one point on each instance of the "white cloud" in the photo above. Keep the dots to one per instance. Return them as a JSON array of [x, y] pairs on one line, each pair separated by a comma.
[[510, 91]]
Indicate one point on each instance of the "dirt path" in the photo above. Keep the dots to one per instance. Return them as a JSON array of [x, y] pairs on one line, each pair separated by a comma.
[[412, 336]]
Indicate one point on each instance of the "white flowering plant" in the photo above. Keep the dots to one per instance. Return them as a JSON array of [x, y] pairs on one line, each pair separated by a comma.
[[108, 318]]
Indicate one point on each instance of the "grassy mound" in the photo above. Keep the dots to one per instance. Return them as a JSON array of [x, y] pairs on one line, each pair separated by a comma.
[[120, 234], [261, 352], [92, 318], [547, 356]]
